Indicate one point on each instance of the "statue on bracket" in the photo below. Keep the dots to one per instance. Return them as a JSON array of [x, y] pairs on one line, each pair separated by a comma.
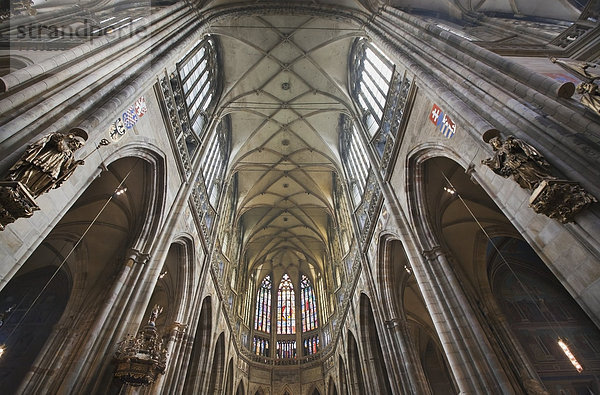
[[44, 165], [551, 196], [514, 157], [588, 73], [48, 162]]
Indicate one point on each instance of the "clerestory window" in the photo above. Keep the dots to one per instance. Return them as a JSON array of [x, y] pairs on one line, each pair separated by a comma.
[[262, 320]]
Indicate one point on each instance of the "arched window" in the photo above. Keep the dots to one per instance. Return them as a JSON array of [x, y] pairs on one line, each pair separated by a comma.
[[198, 74], [214, 161], [354, 159], [371, 75], [309, 305], [262, 321], [286, 318]]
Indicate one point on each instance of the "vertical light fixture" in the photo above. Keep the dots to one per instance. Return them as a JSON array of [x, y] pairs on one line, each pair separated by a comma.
[[563, 345]]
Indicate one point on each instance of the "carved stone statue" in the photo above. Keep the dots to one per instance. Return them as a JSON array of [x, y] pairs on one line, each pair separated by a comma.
[[47, 163], [519, 160], [585, 71]]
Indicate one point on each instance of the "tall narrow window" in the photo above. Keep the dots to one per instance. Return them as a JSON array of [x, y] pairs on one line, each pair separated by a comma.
[[371, 75], [309, 305], [310, 345], [286, 349], [261, 346], [215, 158], [286, 318], [198, 74], [262, 321]]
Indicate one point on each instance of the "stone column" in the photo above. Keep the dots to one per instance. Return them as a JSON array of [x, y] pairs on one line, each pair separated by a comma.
[[92, 355], [413, 380], [472, 360], [176, 348]]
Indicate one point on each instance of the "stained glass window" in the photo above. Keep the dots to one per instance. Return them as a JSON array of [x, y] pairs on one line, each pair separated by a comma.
[[309, 305], [286, 318], [262, 320], [260, 346], [310, 345], [286, 349]]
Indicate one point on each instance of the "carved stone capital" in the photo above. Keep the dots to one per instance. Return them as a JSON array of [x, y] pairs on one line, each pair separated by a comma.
[[138, 256], [433, 253], [16, 202], [392, 323], [560, 199]]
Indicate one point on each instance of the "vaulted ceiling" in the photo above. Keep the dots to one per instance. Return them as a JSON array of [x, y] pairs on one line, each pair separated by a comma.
[[285, 87]]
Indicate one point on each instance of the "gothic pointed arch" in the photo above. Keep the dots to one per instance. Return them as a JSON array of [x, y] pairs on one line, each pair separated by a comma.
[[464, 224], [94, 242], [229, 377], [372, 346], [217, 369], [331, 387], [197, 368], [240, 389], [357, 381]]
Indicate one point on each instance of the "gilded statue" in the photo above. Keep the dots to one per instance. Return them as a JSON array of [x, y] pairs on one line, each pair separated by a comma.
[[156, 310], [588, 73], [519, 160], [590, 96], [47, 163], [556, 198]]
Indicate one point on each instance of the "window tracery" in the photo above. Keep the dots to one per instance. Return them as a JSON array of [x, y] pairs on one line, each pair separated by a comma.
[[198, 75], [262, 320], [286, 318], [371, 73], [309, 305]]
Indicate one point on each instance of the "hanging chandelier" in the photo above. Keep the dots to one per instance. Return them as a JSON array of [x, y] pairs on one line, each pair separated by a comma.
[[141, 358]]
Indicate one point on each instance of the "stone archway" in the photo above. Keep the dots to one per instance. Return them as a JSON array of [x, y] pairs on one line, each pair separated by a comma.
[[94, 242], [357, 382], [215, 383], [372, 346], [539, 311], [197, 367], [24, 336], [331, 388], [458, 222]]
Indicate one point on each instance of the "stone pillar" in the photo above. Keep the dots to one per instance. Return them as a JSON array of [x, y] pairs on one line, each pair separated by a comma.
[[472, 360], [176, 347], [84, 368], [413, 380]]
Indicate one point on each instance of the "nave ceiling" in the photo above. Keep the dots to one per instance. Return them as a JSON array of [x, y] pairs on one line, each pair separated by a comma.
[[285, 86]]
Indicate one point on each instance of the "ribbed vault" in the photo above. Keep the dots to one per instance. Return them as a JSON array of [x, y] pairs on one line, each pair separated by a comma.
[[285, 85]]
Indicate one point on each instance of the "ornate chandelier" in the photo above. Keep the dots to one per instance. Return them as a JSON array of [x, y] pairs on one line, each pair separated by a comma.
[[142, 358]]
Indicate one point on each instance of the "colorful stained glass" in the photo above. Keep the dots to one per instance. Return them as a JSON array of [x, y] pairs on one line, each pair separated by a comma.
[[310, 345], [262, 319], [260, 346], [309, 305], [286, 349], [286, 317]]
